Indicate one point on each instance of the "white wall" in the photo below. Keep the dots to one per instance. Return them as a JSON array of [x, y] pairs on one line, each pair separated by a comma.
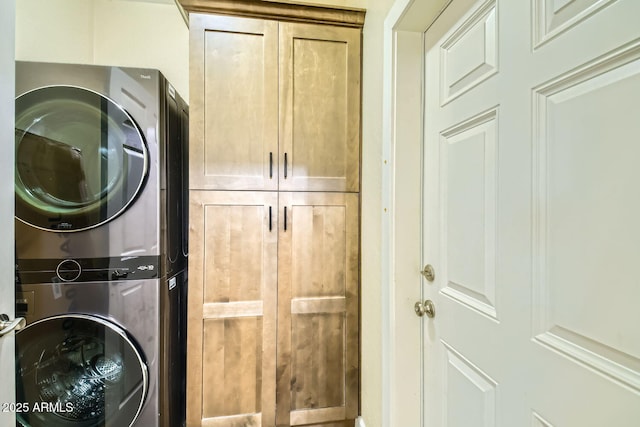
[[7, 90], [105, 32]]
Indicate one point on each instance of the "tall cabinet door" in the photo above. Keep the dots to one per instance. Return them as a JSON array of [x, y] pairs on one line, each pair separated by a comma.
[[319, 108], [234, 98], [318, 308], [232, 309]]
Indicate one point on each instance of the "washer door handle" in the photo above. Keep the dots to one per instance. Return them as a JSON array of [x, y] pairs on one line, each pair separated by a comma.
[[6, 325]]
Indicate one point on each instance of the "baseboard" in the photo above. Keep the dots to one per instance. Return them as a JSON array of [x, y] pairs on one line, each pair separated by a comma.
[[360, 422]]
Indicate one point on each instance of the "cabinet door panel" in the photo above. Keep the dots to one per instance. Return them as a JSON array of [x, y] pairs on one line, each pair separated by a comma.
[[234, 103], [232, 309], [231, 370], [318, 310], [319, 108]]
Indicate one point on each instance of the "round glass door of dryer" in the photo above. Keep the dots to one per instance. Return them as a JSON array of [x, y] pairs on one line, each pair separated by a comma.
[[78, 371], [81, 159]]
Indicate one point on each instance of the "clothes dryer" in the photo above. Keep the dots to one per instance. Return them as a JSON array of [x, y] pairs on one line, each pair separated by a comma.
[[99, 168]]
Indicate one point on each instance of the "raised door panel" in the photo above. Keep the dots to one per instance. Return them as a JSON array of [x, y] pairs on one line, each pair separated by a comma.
[[586, 180], [234, 103], [319, 108], [318, 310], [232, 309]]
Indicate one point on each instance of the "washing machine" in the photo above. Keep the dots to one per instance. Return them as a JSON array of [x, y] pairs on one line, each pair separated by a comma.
[[102, 354], [101, 247], [87, 355]]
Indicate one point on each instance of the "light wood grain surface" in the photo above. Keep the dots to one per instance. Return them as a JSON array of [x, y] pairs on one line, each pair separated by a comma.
[[234, 103], [273, 332], [283, 10], [232, 308], [318, 308], [319, 108]]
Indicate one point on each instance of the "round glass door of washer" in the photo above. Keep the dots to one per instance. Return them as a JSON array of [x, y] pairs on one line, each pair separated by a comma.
[[81, 159], [78, 371]]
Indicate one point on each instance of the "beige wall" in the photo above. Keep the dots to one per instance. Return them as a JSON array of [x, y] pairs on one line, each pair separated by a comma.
[[154, 35], [146, 35], [105, 32], [54, 30], [372, 212]]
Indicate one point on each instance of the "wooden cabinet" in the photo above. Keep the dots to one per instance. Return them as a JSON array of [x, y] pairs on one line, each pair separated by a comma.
[[318, 308], [234, 103], [275, 105], [319, 108], [232, 309], [273, 299], [273, 333]]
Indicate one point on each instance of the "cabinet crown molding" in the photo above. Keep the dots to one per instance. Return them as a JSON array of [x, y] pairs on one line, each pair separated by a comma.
[[278, 10]]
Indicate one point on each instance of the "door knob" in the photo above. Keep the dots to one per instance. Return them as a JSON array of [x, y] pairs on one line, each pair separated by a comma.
[[7, 325], [429, 273], [427, 307]]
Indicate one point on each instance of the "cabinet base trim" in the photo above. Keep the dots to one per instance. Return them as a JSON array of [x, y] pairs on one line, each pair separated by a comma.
[[317, 416], [233, 421]]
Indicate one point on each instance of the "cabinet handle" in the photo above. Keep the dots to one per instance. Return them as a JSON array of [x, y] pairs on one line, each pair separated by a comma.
[[285, 165], [285, 218], [270, 221], [270, 165]]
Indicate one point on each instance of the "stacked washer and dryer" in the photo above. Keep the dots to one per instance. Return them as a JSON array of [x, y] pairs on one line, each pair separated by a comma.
[[101, 247]]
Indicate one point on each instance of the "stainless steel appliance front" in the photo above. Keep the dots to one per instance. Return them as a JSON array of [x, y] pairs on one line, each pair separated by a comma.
[[89, 354]]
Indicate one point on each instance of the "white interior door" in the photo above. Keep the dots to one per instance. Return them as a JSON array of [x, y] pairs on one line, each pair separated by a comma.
[[7, 93], [531, 208]]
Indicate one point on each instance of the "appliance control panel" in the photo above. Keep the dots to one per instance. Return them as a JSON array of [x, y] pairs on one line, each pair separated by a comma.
[[35, 271]]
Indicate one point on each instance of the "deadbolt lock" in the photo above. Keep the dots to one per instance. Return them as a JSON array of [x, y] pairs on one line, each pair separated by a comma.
[[429, 273], [426, 307]]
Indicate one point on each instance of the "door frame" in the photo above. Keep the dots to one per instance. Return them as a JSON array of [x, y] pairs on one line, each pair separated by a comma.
[[7, 96], [401, 247]]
